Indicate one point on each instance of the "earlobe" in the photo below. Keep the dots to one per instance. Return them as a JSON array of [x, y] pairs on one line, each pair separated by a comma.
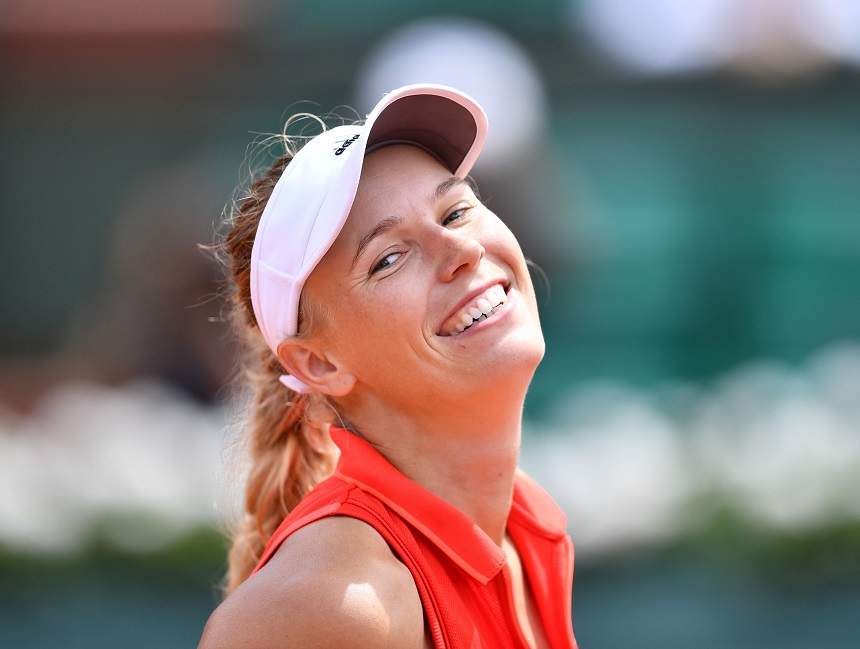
[[314, 369]]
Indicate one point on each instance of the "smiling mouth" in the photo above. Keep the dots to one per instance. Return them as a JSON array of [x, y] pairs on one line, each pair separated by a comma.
[[506, 287]]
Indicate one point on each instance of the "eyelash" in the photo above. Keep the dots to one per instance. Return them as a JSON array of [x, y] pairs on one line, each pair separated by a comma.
[[377, 267]]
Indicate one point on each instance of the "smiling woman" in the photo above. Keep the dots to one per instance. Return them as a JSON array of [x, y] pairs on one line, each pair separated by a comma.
[[384, 506]]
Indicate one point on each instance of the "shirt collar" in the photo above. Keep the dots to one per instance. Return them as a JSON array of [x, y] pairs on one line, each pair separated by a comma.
[[454, 533]]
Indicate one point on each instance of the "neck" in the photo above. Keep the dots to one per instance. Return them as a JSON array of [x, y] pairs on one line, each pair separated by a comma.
[[467, 458]]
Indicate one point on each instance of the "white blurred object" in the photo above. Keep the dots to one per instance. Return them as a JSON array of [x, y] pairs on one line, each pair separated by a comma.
[[762, 38], [778, 446], [92, 454], [475, 58], [769, 40], [831, 25], [619, 470], [657, 36]]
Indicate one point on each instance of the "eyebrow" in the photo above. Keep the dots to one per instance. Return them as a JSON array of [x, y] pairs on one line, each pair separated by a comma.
[[391, 222]]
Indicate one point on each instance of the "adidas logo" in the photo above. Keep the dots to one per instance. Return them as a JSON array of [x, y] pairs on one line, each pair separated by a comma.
[[346, 143]]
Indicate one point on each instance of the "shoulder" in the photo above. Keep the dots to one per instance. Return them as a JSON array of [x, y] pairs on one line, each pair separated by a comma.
[[332, 583]]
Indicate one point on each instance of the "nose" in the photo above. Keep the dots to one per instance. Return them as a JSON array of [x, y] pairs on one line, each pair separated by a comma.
[[458, 252]]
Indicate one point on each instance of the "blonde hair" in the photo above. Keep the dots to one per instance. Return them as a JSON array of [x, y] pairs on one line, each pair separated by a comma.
[[285, 432]]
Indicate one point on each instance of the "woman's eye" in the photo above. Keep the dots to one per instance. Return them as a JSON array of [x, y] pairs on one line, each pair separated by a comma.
[[380, 265], [462, 209]]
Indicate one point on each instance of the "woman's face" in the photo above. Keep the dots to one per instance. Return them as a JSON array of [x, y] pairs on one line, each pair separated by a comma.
[[392, 299]]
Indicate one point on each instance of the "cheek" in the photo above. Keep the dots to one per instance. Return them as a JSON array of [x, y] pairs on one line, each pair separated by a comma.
[[387, 314], [496, 234], [508, 248], [499, 239], [510, 242], [382, 337]]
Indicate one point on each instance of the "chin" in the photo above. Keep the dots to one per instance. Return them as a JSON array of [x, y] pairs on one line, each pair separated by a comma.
[[536, 351], [514, 365]]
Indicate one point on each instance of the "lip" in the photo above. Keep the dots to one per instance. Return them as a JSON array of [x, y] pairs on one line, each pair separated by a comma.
[[471, 296]]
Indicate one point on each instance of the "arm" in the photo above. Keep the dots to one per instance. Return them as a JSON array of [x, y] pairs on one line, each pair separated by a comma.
[[334, 583]]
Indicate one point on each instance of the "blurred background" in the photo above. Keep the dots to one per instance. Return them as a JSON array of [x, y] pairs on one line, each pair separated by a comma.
[[685, 174]]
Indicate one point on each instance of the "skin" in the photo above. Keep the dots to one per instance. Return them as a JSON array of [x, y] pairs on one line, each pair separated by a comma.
[[446, 411]]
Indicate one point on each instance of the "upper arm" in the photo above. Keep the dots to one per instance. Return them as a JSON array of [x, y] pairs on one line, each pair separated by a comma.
[[323, 614], [322, 594]]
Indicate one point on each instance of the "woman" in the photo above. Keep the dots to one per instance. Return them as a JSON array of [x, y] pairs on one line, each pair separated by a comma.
[[410, 333]]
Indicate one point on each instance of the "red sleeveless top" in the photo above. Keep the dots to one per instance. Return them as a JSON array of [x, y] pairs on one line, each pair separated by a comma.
[[460, 573]]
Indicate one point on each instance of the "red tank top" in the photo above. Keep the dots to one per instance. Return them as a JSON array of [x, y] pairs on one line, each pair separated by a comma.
[[458, 569]]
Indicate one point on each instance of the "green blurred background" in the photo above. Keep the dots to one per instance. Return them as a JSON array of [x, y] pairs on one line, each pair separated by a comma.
[[685, 175]]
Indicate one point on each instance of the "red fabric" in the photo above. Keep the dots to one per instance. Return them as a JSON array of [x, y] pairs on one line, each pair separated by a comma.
[[457, 568]]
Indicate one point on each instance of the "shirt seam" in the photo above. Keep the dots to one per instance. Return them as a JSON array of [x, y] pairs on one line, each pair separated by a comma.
[[402, 547]]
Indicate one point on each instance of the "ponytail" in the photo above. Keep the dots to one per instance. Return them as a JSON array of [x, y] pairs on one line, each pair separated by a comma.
[[285, 432], [286, 435]]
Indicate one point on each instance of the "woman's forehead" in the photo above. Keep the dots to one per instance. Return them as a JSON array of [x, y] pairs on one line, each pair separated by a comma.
[[397, 172], [397, 181]]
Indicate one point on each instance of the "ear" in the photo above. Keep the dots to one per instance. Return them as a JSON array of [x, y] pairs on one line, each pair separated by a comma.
[[320, 371]]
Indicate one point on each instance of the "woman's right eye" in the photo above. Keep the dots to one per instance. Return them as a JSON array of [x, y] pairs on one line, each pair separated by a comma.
[[379, 265]]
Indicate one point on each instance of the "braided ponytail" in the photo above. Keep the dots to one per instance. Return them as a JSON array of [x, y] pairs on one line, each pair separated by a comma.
[[286, 432]]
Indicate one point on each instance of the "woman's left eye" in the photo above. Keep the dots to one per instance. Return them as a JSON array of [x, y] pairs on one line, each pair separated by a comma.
[[461, 209]]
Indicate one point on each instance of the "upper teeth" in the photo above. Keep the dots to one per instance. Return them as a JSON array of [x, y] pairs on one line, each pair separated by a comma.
[[481, 306]]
